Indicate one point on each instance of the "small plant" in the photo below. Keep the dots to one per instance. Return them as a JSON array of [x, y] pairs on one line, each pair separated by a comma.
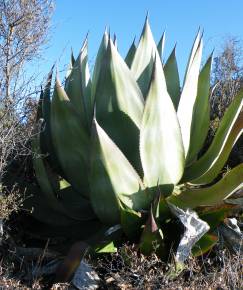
[[121, 147]]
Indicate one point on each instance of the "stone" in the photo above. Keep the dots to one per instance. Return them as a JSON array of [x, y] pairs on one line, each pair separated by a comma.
[[85, 278]]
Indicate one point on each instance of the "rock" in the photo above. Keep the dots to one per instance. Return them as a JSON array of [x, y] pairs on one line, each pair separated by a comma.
[[85, 278]]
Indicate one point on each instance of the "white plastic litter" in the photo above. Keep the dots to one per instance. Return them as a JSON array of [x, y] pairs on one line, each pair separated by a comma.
[[195, 228]]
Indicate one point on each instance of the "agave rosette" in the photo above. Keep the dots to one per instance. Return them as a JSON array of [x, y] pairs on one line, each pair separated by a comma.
[[118, 148]]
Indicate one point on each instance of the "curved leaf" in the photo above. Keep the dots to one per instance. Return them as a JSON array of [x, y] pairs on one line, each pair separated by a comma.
[[209, 165], [119, 104], [70, 140], [161, 145], [43, 178], [76, 207], [201, 113], [188, 98], [172, 78], [58, 194], [46, 142], [212, 195], [78, 87], [40, 209], [56, 226], [214, 215], [113, 180]]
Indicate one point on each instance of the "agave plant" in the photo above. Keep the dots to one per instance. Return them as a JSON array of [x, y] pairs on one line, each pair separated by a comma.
[[123, 146]]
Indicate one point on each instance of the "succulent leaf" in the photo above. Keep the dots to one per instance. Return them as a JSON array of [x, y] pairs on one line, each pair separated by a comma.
[[204, 244], [58, 194], [76, 206], [119, 104], [216, 214], [108, 247], [161, 145], [78, 87], [131, 222], [172, 78], [42, 176], [201, 114], [212, 195], [193, 52], [46, 142], [160, 46], [130, 54], [39, 113], [115, 41], [43, 211], [126, 95], [45, 99], [207, 168], [70, 140], [152, 239], [137, 160], [188, 98], [70, 66], [98, 64], [46, 105], [142, 64], [72, 61], [113, 179]]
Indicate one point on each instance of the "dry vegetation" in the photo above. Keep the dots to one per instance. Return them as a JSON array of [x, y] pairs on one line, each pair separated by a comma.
[[128, 269], [17, 91]]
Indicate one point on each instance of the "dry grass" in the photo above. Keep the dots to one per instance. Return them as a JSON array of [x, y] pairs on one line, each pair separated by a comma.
[[129, 270], [9, 202], [16, 284], [126, 269]]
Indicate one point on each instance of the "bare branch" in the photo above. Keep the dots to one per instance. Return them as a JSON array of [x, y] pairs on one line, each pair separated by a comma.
[[24, 26]]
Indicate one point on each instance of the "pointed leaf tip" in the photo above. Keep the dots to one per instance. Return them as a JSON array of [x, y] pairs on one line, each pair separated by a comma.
[[142, 63]]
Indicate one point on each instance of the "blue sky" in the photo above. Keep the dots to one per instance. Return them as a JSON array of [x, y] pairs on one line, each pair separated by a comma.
[[181, 19]]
